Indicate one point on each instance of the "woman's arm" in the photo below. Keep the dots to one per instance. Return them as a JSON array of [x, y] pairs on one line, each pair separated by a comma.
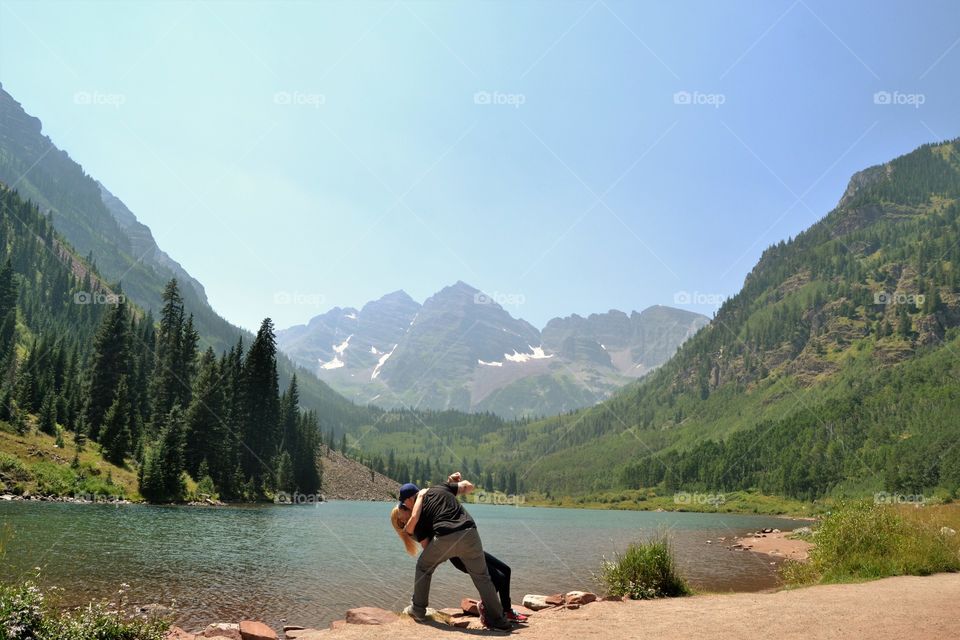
[[415, 513]]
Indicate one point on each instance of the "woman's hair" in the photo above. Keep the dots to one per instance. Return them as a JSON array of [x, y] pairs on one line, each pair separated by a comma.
[[408, 540]]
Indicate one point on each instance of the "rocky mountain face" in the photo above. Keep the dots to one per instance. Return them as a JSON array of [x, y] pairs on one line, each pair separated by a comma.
[[99, 225], [461, 350]]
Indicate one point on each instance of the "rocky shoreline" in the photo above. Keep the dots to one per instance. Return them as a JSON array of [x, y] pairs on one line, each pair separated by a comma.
[[465, 617]]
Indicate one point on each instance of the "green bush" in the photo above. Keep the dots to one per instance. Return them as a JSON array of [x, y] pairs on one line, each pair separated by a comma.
[[862, 541], [646, 570], [24, 616]]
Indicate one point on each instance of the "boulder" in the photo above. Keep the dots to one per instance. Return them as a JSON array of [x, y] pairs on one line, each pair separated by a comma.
[[369, 615], [571, 606], [580, 597], [176, 633], [556, 599], [254, 630], [222, 630], [470, 606], [535, 602]]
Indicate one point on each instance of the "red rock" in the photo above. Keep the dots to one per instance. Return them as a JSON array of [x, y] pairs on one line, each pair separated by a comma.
[[336, 624], [293, 634], [176, 633], [580, 597], [222, 629], [451, 611], [370, 615], [556, 599], [253, 630], [519, 608], [470, 607], [571, 606], [461, 621]]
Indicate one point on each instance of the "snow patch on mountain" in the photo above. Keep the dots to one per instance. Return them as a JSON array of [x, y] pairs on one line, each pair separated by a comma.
[[537, 354], [383, 358], [490, 364]]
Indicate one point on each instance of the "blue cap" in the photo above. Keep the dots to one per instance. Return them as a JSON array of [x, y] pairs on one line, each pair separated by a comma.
[[408, 491]]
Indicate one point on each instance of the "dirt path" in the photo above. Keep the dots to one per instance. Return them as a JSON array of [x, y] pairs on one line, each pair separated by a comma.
[[904, 607]]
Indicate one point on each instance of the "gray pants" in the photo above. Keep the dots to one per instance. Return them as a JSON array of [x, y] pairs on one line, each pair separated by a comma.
[[465, 545]]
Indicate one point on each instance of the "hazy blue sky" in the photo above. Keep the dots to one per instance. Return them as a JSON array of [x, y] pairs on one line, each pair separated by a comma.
[[299, 156]]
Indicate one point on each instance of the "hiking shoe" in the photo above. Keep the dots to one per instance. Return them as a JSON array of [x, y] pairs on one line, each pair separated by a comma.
[[503, 625], [409, 611], [514, 616]]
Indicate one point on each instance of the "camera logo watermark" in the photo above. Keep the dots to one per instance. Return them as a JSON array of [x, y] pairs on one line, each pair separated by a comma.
[[498, 98], [899, 98], [502, 299], [509, 499], [98, 297], [698, 98], [886, 298], [883, 497], [300, 99], [99, 99], [696, 297], [298, 298], [686, 498], [282, 497]]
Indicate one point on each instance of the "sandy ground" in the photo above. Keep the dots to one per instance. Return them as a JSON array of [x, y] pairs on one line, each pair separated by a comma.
[[903, 607], [777, 545]]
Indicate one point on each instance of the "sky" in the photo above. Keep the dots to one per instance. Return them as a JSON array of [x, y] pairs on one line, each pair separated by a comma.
[[564, 157]]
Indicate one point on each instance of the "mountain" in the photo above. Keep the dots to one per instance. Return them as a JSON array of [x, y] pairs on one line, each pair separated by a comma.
[[99, 226], [461, 350], [833, 371]]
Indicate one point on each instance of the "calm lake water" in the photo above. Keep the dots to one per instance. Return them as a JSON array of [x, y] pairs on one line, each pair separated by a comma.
[[308, 564]]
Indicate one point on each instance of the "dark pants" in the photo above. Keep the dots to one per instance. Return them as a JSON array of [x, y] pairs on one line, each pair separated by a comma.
[[500, 574]]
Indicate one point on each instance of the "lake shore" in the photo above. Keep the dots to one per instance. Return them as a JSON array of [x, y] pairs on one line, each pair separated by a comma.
[[892, 608]]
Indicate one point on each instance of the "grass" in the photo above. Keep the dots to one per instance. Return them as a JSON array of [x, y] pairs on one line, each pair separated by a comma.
[[864, 541], [32, 463], [751, 502], [644, 571]]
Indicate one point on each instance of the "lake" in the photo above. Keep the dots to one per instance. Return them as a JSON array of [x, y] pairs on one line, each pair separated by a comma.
[[308, 564]]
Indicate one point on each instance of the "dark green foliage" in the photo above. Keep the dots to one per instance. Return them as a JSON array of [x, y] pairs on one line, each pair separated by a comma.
[[645, 571], [161, 476], [116, 437]]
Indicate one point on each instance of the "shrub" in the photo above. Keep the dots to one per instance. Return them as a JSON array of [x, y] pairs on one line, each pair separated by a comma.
[[24, 616], [646, 570], [862, 541]]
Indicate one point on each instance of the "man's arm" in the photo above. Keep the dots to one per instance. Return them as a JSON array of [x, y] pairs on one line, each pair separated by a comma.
[[415, 513]]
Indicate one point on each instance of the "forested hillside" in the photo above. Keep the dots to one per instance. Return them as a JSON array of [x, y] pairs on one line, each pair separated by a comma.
[[78, 359]]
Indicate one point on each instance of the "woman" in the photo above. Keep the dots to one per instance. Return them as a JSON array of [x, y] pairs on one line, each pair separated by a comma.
[[498, 570]]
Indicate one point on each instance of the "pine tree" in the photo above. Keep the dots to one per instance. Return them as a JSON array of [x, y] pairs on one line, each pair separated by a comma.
[[284, 476], [111, 351], [206, 435], [48, 415], [161, 476], [262, 405], [116, 436], [174, 356]]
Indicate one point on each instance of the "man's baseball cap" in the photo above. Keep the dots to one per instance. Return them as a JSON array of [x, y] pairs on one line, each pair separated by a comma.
[[408, 491]]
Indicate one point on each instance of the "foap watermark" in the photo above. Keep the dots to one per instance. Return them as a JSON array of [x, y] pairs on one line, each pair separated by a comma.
[[697, 297], [499, 98], [699, 98], [899, 98], [886, 298], [696, 498], [99, 99], [282, 497], [883, 497], [502, 299], [299, 298], [508, 499], [300, 99], [98, 297]]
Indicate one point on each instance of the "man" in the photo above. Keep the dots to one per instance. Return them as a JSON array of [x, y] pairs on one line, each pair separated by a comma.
[[445, 530]]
